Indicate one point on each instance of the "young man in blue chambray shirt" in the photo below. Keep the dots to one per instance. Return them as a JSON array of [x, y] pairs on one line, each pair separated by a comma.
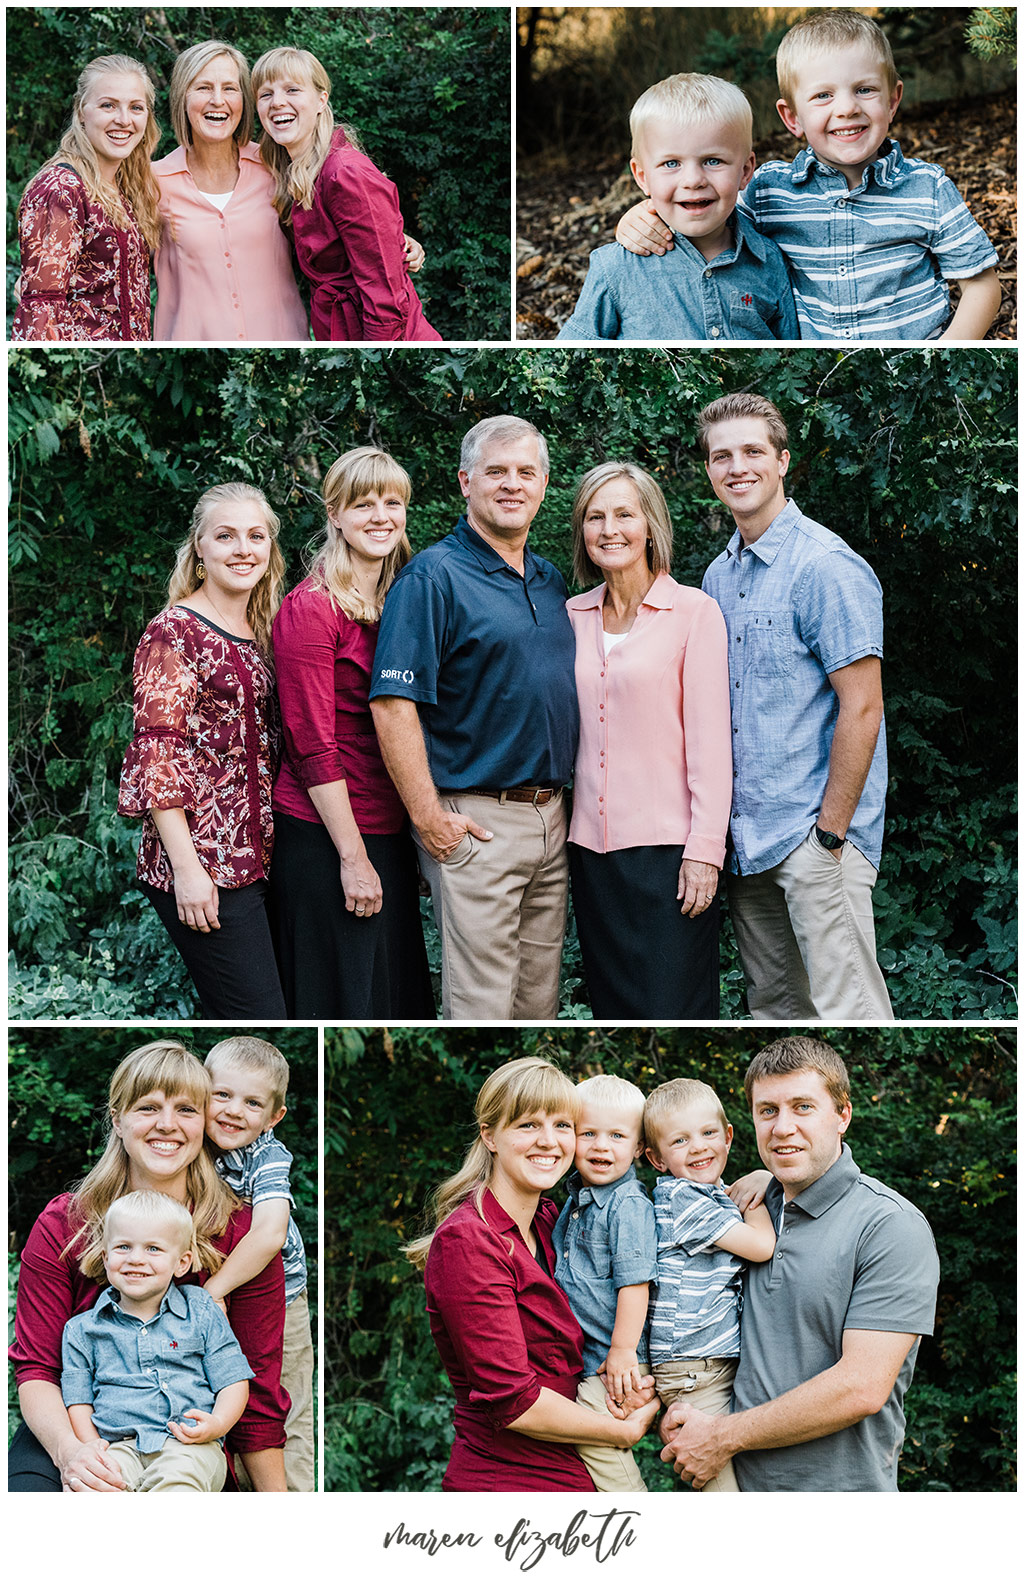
[[804, 617], [722, 281]]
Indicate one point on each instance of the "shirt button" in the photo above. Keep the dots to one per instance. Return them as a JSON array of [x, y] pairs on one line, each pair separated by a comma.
[[743, 595], [707, 275], [841, 203], [715, 330], [737, 684], [842, 270]]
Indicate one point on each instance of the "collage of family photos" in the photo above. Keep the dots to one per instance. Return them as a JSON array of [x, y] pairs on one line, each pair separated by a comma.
[[512, 893]]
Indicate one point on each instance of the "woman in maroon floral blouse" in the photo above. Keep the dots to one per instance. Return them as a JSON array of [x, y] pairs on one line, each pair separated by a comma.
[[89, 219], [343, 211], [200, 767]]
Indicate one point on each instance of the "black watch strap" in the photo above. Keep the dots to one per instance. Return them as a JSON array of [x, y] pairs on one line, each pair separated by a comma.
[[828, 840]]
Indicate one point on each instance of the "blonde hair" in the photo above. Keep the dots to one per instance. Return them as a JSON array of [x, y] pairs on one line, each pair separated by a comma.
[[266, 596], [614, 1092], [167, 1067], [742, 405], [134, 184], [691, 97], [790, 1053], [826, 31], [652, 505], [154, 1206], [189, 64], [258, 1057], [295, 180], [366, 470], [674, 1095], [525, 1085]]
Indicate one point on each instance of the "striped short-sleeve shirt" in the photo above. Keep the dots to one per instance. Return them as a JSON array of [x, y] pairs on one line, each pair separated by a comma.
[[696, 1309]]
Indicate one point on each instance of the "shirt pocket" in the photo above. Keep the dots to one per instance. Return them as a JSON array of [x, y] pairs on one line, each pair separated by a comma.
[[767, 638], [748, 315], [598, 1253]]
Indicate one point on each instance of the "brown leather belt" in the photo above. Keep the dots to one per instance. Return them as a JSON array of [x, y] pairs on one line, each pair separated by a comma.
[[517, 796]]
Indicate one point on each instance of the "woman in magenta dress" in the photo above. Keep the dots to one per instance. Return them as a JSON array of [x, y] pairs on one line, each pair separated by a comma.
[[343, 211], [505, 1332], [157, 1111], [89, 219], [344, 894]]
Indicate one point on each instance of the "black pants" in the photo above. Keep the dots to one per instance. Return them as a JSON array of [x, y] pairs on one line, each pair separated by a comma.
[[641, 957], [233, 969], [29, 1467]]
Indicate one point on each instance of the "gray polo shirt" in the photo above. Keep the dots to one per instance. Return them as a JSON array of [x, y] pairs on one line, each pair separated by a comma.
[[851, 1254]]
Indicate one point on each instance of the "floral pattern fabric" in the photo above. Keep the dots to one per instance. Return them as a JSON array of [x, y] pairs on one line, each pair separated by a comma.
[[83, 278], [206, 741]]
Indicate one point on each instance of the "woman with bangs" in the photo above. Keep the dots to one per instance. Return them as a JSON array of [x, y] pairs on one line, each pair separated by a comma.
[[89, 219], [200, 767], [342, 210], [157, 1110], [344, 894], [504, 1330]]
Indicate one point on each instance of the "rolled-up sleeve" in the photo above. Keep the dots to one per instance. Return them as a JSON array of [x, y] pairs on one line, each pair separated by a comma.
[[306, 652], [633, 1240], [256, 1315], [76, 1379]]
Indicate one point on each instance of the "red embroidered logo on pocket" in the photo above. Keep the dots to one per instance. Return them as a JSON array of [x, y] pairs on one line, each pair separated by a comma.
[[746, 300]]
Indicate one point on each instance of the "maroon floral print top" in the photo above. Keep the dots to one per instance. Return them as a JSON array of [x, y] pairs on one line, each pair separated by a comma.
[[83, 278], [206, 739]]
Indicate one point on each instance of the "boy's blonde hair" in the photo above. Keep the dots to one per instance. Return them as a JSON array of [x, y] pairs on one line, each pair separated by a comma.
[[156, 1207], [672, 1096], [692, 97], [825, 31], [613, 1092], [259, 1057]]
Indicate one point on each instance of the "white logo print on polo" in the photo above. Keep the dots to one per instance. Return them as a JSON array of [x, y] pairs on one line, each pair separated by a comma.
[[396, 672]]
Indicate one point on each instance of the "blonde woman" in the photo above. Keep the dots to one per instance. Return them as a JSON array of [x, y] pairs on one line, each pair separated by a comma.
[[504, 1330], [345, 903], [157, 1110], [342, 210], [89, 219], [200, 767]]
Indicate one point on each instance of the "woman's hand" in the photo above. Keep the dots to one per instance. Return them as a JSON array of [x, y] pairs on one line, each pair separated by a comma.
[[639, 1421], [698, 884], [87, 1468], [633, 1399], [748, 1191], [195, 894], [364, 895], [641, 230], [414, 254]]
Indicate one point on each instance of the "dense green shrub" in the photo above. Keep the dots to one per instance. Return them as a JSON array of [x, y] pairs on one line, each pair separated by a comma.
[[934, 1117]]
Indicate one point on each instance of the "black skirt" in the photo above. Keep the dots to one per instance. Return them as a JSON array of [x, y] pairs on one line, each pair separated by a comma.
[[642, 959]]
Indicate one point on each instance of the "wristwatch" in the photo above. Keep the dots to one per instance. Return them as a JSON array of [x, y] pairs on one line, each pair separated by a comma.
[[828, 840]]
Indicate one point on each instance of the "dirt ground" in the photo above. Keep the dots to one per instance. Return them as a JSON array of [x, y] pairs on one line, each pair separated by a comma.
[[561, 217]]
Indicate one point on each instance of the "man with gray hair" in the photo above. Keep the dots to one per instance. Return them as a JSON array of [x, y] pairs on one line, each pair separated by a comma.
[[474, 703]]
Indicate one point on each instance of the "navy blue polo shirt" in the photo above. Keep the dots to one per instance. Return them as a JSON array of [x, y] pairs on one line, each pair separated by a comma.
[[488, 656]]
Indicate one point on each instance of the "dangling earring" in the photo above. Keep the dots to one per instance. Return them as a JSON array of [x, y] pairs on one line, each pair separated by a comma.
[[200, 571]]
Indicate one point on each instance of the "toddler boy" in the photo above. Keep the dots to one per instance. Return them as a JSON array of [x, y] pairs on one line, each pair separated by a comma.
[[606, 1250], [704, 1244], [150, 1357], [250, 1083], [692, 156]]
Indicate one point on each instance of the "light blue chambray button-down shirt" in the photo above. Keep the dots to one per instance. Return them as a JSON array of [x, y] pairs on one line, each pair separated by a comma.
[[742, 295], [138, 1376], [871, 263], [605, 1239], [798, 604]]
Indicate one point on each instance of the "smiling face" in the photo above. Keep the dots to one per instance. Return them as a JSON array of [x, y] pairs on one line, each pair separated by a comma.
[[289, 108], [114, 114], [505, 488], [799, 1129], [529, 1155], [141, 1257], [694, 172], [235, 547], [371, 525], [843, 105], [615, 530], [241, 1106], [161, 1136], [692, 1142], [747, 473], [607, 1143], [214, 102]]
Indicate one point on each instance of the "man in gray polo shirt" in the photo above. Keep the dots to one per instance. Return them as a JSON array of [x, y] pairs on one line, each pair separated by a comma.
[[831, 1324]]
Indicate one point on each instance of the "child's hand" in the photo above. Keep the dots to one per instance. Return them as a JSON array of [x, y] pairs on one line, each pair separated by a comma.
[[641, 230], [208, 1428], [620, 1373], [632, 1400], [749, 1190]]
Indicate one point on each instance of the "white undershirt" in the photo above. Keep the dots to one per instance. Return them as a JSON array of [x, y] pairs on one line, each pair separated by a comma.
[[611, 640], [219, 200]]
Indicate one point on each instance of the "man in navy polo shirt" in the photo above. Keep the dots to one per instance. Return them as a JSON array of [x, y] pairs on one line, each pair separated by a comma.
[[474, 702]]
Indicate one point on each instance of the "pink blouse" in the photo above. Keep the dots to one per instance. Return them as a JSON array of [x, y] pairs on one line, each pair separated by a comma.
[[350, 247], [83, 278], [654, 764], [224, 277], [206, 733]]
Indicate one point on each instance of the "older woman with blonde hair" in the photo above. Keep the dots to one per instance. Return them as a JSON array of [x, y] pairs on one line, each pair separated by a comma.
[[342, 210], [200, 767], [157, 1112], [345, 903], [88, 220], [653, 776]]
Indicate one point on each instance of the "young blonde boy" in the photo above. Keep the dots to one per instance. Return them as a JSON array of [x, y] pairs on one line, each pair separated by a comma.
[[606, 1256], [125, 1377], [704, 1245], [250, 1083], [692, 156]]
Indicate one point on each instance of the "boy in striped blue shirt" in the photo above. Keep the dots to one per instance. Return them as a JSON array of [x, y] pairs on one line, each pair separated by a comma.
[[704, 1245]]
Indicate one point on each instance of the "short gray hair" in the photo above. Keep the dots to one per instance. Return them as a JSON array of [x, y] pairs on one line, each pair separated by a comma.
[[500, 427]]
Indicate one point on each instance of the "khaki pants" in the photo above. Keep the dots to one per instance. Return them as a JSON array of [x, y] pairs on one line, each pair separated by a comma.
[[806, 936], [500, 909], [297, 1381], [191, 1468], [613, 1470], [707, 1385]]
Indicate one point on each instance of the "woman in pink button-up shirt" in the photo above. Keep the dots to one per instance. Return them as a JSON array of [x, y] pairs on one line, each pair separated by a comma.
[[653, 776]]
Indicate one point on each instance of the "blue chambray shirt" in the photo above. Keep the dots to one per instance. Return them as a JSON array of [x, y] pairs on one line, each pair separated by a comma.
[[871, 263], [742, 295], [138, 1376], [798, 604], [605, 1239]]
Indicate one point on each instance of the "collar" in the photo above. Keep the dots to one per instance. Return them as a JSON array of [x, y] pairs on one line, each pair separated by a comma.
[[830, 1188], [660, 595], [704, 1190], [599, 1194], [744, 235], [174, 1301], [176, 164], [767, 546], [490, 560], [887, 168]]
